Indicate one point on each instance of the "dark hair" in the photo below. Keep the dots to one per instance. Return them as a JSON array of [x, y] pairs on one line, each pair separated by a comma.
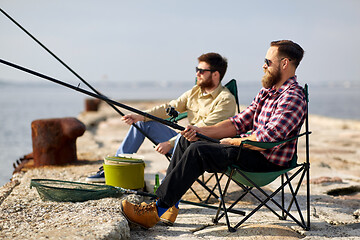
[[216, 62], [289, 49]]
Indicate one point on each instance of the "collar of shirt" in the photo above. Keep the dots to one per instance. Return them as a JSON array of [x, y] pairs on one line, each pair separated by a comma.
[[214, 93], [286, 85]]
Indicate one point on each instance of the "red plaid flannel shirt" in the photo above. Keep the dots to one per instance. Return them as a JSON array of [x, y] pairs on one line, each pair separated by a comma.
[[274, 116]]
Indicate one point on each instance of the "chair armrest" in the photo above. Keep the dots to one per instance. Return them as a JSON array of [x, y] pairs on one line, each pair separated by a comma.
[[269, 145]]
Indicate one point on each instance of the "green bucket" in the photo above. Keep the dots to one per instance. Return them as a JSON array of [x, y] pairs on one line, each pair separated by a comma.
[[124, 171]]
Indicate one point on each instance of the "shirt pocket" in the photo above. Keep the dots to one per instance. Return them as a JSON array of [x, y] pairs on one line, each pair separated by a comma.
[[193, 107]]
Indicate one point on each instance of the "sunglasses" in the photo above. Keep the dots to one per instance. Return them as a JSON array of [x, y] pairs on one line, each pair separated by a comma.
[[201, 71], [269, 62]]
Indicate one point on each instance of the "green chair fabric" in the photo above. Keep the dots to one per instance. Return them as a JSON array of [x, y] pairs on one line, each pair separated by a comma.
[[232, 86], [260, 178], [263, 178]]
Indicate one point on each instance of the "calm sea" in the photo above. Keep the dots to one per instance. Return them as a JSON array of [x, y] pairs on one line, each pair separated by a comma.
[[20, 104]]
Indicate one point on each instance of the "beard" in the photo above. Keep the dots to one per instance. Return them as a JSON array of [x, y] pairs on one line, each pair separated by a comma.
[[270, 79], [206, 82]]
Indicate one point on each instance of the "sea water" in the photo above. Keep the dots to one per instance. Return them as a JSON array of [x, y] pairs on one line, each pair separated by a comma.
[[21, 103]]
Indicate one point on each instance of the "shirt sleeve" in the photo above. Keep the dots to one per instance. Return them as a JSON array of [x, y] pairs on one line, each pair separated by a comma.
[[160, 111], [287, 117], [244, 121], [172, 141]]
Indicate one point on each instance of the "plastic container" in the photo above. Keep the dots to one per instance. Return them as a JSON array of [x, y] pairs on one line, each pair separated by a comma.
[[125, 172]]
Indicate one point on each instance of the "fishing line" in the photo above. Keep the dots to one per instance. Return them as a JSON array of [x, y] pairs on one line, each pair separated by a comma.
[[78, 76], [104, 98]]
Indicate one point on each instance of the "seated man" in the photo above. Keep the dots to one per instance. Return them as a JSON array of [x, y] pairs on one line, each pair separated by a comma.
[[207, 103], [276, 113]]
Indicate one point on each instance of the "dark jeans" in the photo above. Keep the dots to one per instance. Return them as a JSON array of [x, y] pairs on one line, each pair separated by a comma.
[[192, 159]]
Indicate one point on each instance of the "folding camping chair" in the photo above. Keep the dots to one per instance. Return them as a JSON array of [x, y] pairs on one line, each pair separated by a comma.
[[204, 180], [250, 180]]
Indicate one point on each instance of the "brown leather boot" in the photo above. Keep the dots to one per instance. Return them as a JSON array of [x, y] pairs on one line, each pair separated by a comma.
[[144, 215], [169, 217]]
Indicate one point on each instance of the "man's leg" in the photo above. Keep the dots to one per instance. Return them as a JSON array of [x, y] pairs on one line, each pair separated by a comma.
[[180, 147], [134, 138], [191, 162], [188, 163]]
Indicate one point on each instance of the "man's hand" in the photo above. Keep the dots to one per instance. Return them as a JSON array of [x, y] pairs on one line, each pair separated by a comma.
[[190, 133], [132, 118], [237, 142], [163, 147], [231, 141]]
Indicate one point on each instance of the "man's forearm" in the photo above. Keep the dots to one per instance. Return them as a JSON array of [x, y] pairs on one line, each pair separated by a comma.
[[220, 130]]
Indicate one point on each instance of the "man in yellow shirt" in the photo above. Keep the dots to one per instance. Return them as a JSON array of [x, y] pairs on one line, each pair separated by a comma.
[[207, 103]]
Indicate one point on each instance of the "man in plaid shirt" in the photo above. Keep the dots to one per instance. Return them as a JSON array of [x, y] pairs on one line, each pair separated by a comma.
[[274, 115], [277, 113]]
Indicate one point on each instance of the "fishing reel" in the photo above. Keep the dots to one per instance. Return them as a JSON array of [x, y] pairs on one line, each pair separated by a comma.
[[172, 113]]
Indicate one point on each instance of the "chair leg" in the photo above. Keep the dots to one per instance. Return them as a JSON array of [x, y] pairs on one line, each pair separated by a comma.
[[222, 201], [294, 199], [307, 167], [282, 198], [306, 225], [196, 195], [229, 209], [285, 180], [207, 188], [270, 197], [213, 189], [216, 218]]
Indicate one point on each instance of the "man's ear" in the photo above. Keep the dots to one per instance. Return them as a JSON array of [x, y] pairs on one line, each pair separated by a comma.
[[285, 63], [216, 75]]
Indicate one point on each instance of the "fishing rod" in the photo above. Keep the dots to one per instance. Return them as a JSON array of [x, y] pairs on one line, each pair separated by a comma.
[[78, 76], [104, 98]]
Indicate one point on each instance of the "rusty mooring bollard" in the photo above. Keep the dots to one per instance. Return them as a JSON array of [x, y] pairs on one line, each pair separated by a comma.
[[92, 104], [54, 140]]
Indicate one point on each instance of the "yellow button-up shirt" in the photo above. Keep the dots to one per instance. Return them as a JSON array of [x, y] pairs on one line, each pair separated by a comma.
[[203, 109]]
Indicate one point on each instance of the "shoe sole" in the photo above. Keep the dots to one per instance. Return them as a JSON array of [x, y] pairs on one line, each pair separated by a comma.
[[137, 224], [166, 222]]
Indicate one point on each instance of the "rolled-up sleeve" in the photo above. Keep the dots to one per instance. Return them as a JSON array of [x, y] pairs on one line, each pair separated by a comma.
[[244, 121], [286, 118]]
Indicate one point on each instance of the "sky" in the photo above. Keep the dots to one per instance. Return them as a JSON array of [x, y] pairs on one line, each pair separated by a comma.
[[135, 41]]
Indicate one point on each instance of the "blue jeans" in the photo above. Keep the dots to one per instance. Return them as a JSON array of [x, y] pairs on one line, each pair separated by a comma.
[[133, 140]]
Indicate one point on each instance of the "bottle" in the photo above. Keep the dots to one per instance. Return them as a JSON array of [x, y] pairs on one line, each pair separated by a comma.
[[157, 182]]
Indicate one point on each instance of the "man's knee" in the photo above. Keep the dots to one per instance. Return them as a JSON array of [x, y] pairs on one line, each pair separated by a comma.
[[198, 147], [140, 124]]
